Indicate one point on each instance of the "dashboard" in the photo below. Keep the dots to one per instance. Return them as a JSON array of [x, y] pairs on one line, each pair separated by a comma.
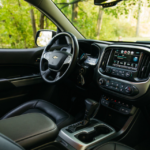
[[120, 69]]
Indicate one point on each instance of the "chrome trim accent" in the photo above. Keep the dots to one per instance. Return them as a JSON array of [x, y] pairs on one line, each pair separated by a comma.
[[142, 86], [76, 143]]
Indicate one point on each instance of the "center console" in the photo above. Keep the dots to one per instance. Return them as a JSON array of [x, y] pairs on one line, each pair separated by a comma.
[[125, 70], [85, 137], [85, 133]]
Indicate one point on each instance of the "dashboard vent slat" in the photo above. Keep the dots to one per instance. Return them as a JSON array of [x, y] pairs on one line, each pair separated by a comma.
[[105, 59], [144, 68]]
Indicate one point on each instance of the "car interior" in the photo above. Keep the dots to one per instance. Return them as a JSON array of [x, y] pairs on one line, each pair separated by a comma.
[[74, 93]]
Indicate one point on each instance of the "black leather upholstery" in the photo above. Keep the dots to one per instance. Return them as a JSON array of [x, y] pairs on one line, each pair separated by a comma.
[[113, 146], [29, 130], [60, 117]]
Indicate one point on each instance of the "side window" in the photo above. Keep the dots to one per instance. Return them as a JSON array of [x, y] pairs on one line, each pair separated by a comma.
[[19, 22]]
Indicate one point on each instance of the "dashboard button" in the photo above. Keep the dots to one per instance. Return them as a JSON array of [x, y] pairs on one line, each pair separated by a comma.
[[112, 83], [122, 109], [108, 70], [117, 84], [128, 74], [111, 87], [127, 111], [118, 74], [113, 73], [106, 103], [116, 88], [103, 101], [121, 63], [121, 90], [121, 86], [120, 71], [122, 74]]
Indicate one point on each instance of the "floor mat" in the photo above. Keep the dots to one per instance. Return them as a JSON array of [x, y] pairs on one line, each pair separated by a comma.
[[144, 145]]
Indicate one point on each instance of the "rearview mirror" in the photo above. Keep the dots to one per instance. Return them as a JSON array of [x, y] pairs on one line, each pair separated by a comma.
[[106, 3], [43, 37]]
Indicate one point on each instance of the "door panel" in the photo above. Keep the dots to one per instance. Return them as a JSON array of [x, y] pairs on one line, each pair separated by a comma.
[[19, 77]]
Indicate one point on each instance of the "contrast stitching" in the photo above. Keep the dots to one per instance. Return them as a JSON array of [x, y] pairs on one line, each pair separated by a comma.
[[36, 135]]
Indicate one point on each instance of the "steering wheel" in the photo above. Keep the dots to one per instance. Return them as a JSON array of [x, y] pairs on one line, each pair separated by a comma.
[[55, 65]]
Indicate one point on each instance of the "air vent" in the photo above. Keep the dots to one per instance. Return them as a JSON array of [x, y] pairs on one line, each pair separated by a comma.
[[144, 68], [105, 59]]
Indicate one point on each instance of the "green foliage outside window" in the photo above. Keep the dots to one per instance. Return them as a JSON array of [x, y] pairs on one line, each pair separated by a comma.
[[128, 21], [110, 24], [16, 26]]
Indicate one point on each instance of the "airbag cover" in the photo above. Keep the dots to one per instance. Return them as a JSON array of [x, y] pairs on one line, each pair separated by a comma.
[[56, 60]]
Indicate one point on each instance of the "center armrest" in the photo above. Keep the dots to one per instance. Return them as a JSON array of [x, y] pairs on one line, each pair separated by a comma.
[[29, 130]]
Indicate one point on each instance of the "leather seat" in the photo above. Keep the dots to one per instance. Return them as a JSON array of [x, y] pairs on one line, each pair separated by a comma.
[[113, 146], [60, 117], [8, 144]]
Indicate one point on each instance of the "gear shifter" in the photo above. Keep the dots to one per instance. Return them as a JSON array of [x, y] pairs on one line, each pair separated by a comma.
[[91, 107]]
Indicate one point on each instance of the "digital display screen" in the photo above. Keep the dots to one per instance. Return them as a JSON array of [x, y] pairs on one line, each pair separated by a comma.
[[127, 58]]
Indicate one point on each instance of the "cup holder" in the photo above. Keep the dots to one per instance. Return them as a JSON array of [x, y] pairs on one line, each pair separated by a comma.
[[89, 137]]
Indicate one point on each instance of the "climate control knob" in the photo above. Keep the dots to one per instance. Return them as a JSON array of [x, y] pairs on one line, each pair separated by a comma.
[[128, 89], [101, 81]]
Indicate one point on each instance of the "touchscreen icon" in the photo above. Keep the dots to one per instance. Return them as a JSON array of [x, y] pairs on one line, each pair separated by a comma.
[[135, 59], [136, 65], [128, 52], [125, 52], [116, 51], [132, 52], [122, 51], [137, 53]]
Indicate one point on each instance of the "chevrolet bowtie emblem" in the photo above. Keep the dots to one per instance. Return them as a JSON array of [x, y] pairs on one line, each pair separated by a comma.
[[55, 57]]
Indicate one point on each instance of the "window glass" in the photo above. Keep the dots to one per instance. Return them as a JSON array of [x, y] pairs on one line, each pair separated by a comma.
[[128, 21], [19, 22]]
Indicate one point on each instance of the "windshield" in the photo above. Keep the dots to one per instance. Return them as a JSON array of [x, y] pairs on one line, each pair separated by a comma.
[[128, 21]]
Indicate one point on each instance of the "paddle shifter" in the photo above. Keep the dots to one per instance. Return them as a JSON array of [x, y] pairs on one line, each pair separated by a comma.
[[91, 107]]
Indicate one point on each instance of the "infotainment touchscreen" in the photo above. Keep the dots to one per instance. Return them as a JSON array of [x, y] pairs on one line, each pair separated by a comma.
[[127, 58]]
